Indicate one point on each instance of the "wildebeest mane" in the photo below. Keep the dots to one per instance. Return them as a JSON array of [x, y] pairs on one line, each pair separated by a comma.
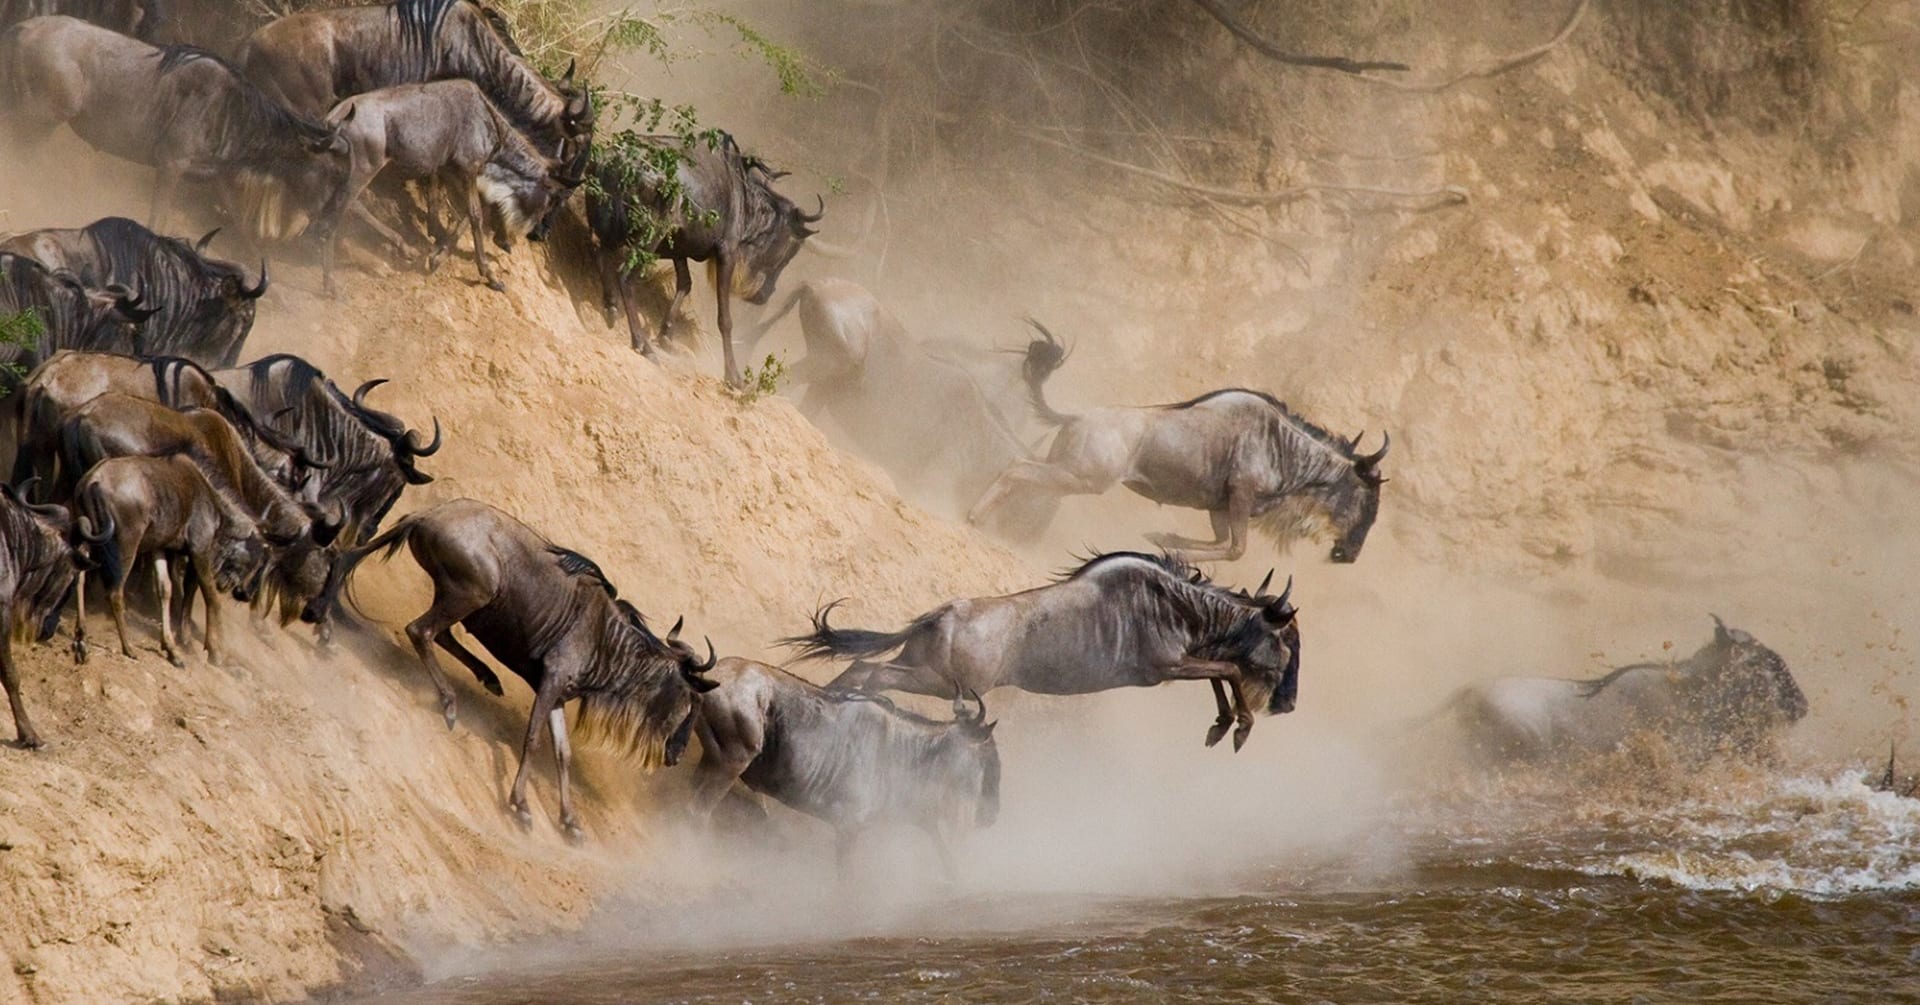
[[621, 686], [419, 22], [575, 564], [1169, 564], [357, 443], [1305, 425], [253, 120]]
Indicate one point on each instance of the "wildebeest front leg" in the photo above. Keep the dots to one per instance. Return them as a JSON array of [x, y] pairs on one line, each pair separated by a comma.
[[544, 702], [1225, 719], [203, 577], [1217, 672], [562, 763], [723, 292], [168, 646], [477, 219], [80, 617], [1229, 534], [682, 285], [615, 281], [10, 679]]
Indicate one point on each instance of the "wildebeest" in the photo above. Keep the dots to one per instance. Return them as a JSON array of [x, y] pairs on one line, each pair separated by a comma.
[[314, 59], [1120, 620], [70, 315], [720, 207], [549, 615], [142, 19], [166, 508], [183, 111], [1730, 694], [916, 409], [449, 132], [38, 565], [205, 306], [1240, 455], [368, 456], [853, 760]]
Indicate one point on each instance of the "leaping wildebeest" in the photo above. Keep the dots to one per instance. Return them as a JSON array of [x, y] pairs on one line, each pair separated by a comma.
[[447, 131], [38, 566], [720, 208], [205, 306], [313, 59], [183, 111], [853, 760], [1730, 695], [1240, 455], [1120, 620], [549, 615]]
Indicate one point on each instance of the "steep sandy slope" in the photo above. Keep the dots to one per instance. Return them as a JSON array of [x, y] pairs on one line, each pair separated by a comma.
[[195, 833]]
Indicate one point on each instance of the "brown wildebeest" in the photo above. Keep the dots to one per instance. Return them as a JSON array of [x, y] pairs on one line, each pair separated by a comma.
[[182, 111], [1239, 455], [38, 565], [549, 615], [165, 507], [448, 131], [313, 59], [853, 760], [722, 209], [1120, 620]]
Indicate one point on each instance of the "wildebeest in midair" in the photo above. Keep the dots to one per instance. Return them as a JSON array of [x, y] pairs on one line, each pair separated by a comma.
[[313, 59], [853, 760], [549, 615], [69, 315], [38, 565], [180, 110], [719, 207], [161, 509], [449, 132], [916, 409], [1730, 695], [1240, 455], [1120, 620], [205, 306]]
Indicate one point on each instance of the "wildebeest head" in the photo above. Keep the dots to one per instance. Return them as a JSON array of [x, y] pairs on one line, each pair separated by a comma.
[[778, 228], [407, 445], [1263, 641], [578, 118], [239, 561], [563, 176], [1354, 502], [1744, 687], [46, 545], [967, 760], [693, 672], [1283, 623]]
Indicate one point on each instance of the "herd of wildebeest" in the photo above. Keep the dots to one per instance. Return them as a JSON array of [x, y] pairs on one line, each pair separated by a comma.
[[139, 443]]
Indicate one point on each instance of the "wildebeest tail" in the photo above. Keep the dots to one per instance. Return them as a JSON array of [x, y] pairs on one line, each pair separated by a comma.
[[826, 640], [1044, 355], [106, 553], [349, 560]]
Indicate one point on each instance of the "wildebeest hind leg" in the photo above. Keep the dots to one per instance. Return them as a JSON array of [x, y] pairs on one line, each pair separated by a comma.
[[481, 672], [450, 606], [873, 678], [1039, 475], [614, 280], [682, 285]]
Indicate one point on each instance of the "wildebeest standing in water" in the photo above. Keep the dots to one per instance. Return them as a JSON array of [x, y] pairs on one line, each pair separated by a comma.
[[313, 59], [1120, 620], [550, 616], [921, 413], [183, 111], [449, 132], [142, 19], [205, 306], [722, 209], [38, 565], [852, 760], [1731, 694], [166, 509], [1239, 455]]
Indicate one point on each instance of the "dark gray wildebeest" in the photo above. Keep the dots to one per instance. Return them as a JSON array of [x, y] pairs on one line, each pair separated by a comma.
[[161, 509], [38, 565], [70, 315], [1239, 455], [720, 208], [182, 111], [366, 456], [1731, 695], [447, 131], [853, 760], [549, 615], [314, 59], [1120, 620], [921, 411], [142, 19], [205, 306]]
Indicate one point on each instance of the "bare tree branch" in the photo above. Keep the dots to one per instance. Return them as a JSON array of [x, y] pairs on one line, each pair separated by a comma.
[[1493, 68], [1266, 48]]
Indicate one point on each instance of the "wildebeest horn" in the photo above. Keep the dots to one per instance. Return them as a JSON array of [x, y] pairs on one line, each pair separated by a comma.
[[200, 246], [712, 657], [1719, 628], [1286, 592], [815, 217], [260, 288], [132, 306], [428, 450], [566, 79], [18, 493], [674, 632], [360, 393], [1373, 459], [1262, 588], [106, 529]]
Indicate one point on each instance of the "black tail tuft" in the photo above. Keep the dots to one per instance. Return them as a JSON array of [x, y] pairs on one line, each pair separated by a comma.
[[1044, 355], [106, 555], [826, 640]]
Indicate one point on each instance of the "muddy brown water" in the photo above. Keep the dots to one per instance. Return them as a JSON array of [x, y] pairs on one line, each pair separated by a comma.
[[1787, 888]]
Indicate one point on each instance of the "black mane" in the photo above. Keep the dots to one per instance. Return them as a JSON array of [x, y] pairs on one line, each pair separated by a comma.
[[575, 564], [265, 115], [1306, 425], [1166, 563]]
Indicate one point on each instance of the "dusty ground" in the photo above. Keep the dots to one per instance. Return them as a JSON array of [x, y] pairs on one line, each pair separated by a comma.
[[1651, 367]]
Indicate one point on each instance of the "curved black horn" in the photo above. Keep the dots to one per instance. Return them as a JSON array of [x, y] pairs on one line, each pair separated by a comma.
[[567, 77], [260, 288], [19, 493], [360, 393], [200, 246], [1287, 592], [817, 216], [712, 657], [429, 449], [1262, 588], [1373, 459], [674, 632], [1719, 628], [52, 511]]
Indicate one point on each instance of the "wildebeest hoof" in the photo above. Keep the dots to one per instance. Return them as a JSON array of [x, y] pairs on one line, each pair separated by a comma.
[[1240, 737], [79, 652], [449, 713], [174, 658], [572, 832], [523, 817], [496, 286], [31, 741], [1216, 731]]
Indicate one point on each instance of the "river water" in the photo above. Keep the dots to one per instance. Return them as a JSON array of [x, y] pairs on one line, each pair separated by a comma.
[[1754, 887]]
